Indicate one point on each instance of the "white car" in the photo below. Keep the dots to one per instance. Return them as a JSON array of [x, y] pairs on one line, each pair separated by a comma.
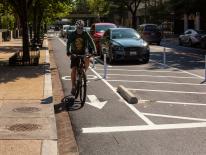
[[191, 37], [64, 30]]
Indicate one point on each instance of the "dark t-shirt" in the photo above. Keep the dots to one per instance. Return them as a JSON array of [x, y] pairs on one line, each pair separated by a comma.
[[79, 42]]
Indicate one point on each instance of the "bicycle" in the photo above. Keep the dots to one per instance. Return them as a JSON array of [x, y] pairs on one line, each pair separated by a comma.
[[81, 79]]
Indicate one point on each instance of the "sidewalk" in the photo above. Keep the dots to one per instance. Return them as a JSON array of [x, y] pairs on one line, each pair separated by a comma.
[[27, 120]]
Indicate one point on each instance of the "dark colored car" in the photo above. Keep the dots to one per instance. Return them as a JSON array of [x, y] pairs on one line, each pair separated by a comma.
[[150, 33], [191, 37], [97, 30], [203, 42], [124, 44]]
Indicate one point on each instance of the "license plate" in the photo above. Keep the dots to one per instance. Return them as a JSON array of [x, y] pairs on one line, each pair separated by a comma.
[[133, 53]]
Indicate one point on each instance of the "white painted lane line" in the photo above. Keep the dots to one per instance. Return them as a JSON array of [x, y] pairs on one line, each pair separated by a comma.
[[201, 77], [136, 111], [63, 42], [177, 117], [182, 103], [176, 77], [143, 128], [142, 70], [167, 91], [156, 82]]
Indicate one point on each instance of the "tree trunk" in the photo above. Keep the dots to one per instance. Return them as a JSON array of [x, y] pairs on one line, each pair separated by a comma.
[[24, 24], [134, 20], [35, 23]]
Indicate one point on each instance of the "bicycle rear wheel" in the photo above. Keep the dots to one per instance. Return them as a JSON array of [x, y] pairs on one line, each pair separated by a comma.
[[83, 88]]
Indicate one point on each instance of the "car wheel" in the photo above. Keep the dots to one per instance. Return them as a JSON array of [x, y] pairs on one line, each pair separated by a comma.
[[145, 58]]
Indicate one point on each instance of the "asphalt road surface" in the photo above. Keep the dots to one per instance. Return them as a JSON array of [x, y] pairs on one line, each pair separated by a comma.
[[169, 118]]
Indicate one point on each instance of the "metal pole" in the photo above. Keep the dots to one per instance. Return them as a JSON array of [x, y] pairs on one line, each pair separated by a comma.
[[105, 66]]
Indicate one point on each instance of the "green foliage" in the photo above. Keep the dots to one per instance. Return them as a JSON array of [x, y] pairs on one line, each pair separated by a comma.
[[56, 10], [6, 17], [7, 22], [99, 7]]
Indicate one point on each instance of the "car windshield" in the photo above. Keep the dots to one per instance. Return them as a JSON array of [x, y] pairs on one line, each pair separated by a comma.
[[151, 28], [103, 28], [125, 33], [71, 28]]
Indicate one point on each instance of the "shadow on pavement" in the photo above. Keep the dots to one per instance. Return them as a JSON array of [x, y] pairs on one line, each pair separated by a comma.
[[68, 103], [13, 73], [10, 49], [180, 61]]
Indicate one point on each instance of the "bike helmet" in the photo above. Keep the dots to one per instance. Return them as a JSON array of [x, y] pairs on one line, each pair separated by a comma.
[[79, 23]]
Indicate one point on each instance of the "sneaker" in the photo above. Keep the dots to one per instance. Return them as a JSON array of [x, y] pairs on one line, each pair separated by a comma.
[[73, 91]]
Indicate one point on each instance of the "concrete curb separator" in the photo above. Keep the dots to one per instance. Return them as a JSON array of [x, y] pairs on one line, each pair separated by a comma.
[[48, 146], [127, 95]]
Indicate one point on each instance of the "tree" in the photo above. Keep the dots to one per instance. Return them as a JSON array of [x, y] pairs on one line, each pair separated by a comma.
[[99, 7], [38, 9], [132, 6]]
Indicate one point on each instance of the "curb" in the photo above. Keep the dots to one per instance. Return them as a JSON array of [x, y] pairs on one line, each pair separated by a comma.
[[49, 146], [127, 95], [66, 140]]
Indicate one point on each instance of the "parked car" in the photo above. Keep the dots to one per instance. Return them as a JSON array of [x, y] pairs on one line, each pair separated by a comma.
[[203, 42], [150, 33], [191, 37], [87, 29], [70, 29], [64, 30], [97, 30], [124, 44]]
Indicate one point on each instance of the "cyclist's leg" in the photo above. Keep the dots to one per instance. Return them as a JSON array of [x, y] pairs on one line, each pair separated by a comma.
[[86, 61], [73, 73], [73, 76]]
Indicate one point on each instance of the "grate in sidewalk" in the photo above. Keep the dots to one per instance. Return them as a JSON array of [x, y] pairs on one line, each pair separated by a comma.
[[24, 127]]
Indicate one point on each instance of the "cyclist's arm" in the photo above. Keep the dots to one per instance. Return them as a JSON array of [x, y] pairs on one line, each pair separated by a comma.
[[91, 44]]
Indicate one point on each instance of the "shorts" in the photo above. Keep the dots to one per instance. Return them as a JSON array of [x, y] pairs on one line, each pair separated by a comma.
[[74, 61]]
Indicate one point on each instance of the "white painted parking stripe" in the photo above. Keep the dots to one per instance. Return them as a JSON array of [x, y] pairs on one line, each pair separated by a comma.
[[182, 103], [143, 127], [156, 82], [176, 77], [168, 91], [142, 70], [177, 117]]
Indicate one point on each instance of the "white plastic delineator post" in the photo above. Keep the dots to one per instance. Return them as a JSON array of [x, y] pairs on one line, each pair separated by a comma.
[[164, 57], [94, 61], [105, 66], [205, 68]]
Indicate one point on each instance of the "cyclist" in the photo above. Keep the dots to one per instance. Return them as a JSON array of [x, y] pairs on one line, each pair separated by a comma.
[[79, 42]]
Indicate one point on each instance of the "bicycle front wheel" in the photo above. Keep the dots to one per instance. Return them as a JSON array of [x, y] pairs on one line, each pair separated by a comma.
[[83, 88]]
